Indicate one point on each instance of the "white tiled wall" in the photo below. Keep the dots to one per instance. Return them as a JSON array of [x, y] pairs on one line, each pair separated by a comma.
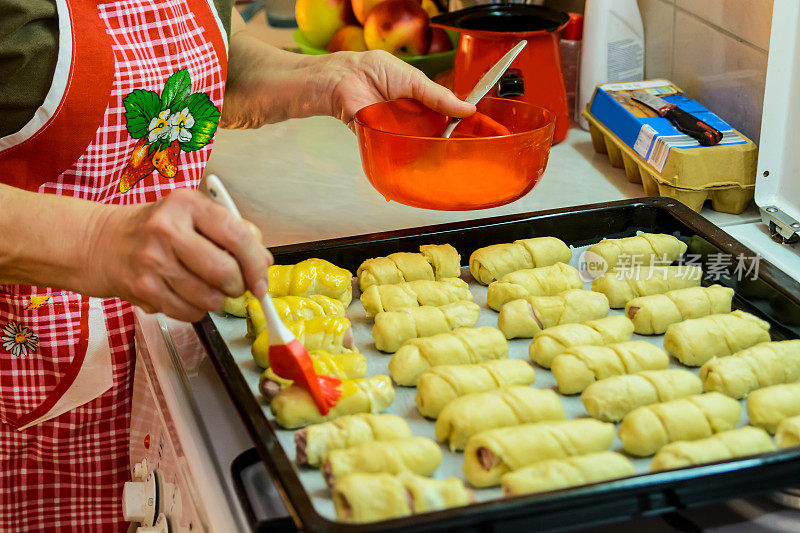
[[716, 50]]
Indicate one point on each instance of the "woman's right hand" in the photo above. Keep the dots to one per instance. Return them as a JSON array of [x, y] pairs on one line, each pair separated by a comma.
[[180, 255]]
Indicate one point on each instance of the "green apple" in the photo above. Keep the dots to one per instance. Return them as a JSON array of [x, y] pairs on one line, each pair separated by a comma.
[[319, 20]]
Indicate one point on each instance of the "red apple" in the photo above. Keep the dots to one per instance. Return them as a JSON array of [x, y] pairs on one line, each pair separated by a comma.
[[348, 38], [361, 8], [398, 26], [318, 20], [440, 42]]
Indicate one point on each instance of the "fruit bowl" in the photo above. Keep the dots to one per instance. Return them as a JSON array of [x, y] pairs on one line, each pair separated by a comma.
[[431, 64], [407, 161]]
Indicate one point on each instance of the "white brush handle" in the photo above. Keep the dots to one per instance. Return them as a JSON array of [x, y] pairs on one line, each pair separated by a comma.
[[278, 332]]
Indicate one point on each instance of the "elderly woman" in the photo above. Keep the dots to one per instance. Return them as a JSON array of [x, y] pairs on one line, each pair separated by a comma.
[[107, 108]]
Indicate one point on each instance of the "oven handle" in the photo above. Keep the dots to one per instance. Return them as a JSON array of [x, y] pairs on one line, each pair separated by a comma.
[[281, 524]]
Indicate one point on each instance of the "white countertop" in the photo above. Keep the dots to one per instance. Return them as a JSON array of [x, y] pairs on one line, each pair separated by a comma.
[[302, 180]]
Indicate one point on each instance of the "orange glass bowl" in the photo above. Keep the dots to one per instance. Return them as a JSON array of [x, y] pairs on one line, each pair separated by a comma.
[[407, 161]]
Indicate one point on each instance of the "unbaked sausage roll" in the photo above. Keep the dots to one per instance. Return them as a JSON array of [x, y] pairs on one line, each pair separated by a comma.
[[611, 399], [312, 276], [379, 298], [346, 365], [291, 308], [767, 407], [493, 262], [372, 497], [393, 328], [440, 385], [647, 429], [460, 347], [695, 341], [332, 334], [542, 281], [415, 454], [788, 433], [315, 441], [528, 316], [492, 453], [293, 407], [652, 314], [580, 366], [555, 474], [762, 365], [720, 447], [644, 249], [509, 406], [622, 286], [435, 261], [550, 342]]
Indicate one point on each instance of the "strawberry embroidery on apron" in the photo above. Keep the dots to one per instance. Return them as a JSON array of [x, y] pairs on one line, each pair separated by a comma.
[[19, 340], [166, 125]]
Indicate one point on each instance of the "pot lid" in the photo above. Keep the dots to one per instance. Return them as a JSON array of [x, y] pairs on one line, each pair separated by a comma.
[[503, 18]]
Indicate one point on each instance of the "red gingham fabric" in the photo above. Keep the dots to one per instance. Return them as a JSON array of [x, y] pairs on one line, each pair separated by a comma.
[[66, 473]]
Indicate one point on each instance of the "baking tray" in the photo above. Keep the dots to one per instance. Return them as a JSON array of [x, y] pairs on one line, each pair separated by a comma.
[[773, 296]]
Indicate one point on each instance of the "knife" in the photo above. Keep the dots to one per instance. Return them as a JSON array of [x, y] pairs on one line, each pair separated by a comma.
[[683, 121], [487, 82]]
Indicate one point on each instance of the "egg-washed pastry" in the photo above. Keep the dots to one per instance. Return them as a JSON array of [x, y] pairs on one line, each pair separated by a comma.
[[509, 406], [580, 366], [767, 407], [493, 262], [293, 407], [315, 441], [719, 447], [379, 298], [360, 498], [290, 308], [414, 454], [555, 474], [491, 454], [460, 347], [622, 286], [550, 342], [694, 342], [312, 276], [611, 399], [434, 261], [237, 306], [788, 433], [651, 315], [542, 281], [332, 334], [762, 365], [346, 365], [647, 429], [528, 316], [440, 385], [393, 328], [644, 249]]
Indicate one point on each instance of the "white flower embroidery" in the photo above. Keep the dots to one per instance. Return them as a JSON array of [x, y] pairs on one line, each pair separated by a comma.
[[19, 340], [180, 124], [159, 127]]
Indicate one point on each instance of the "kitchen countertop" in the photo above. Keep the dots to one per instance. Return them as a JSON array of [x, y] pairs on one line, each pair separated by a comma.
[[301, 180]]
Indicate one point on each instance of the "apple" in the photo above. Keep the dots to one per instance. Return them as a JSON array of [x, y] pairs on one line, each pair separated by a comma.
[[348, 38], [318, 20], [440, 42], [430, 8], [398, 26], [361, 8]]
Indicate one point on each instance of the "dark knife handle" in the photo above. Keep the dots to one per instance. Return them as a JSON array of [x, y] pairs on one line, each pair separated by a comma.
[[692, 126]]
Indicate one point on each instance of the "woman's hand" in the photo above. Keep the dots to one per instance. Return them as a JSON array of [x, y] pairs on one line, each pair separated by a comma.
[[181, 255]]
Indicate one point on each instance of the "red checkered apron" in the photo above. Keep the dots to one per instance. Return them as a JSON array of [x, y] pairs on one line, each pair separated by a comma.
[[130, 73]]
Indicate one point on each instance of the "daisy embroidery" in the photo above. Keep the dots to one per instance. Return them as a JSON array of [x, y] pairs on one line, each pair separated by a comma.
[[160, 126], [19, 340], [181, 124]]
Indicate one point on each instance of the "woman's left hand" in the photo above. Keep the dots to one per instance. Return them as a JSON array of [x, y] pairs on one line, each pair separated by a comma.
[[353, 80]]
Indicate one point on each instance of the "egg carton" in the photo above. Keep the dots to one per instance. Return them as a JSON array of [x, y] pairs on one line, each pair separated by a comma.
[[725, 175]]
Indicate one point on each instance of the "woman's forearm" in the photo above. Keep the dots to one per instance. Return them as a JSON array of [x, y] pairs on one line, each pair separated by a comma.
[[46, 240]]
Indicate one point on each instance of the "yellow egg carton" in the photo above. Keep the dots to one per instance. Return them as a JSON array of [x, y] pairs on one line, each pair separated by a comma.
[[723, 174]]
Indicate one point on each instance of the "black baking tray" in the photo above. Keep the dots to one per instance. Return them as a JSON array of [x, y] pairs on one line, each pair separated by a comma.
[[773, 295]]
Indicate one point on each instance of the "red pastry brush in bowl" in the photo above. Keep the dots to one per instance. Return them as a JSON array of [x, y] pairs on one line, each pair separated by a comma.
[[287, 357]]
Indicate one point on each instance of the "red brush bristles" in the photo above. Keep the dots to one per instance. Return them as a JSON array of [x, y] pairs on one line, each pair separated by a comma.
[[291, 361]]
